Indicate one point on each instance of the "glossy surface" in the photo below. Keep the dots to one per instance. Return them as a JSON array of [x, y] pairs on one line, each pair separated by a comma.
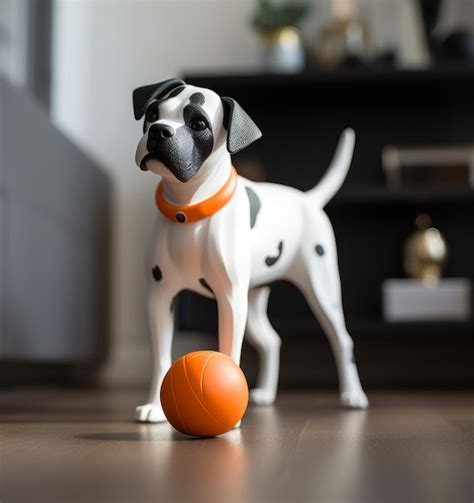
[[198, 211], [84, 446], [204, 394], [223, 257]]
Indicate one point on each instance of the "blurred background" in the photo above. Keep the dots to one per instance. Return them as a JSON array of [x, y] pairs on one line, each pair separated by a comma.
[[76, 213]]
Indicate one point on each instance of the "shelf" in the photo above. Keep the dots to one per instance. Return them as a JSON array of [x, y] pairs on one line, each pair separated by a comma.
[[373, 327], [386, 107], [381, 195], [233, 79], [409, 329]]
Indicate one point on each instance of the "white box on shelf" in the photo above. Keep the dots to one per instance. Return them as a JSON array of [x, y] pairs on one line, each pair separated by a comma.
[[449, 299]]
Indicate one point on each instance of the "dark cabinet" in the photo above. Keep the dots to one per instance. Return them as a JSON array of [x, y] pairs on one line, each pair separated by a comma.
[[301, 117]]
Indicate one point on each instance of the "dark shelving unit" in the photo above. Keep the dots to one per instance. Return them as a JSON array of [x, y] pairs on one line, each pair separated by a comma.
[[301, 117], [379, 328], [381, 195], [232, 79]]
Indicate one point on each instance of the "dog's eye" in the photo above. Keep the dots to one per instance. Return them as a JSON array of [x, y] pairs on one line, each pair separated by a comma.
[[151, 115], [198, 125]]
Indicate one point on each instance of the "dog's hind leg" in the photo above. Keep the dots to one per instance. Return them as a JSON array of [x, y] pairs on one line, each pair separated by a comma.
[[266, 341], [161, 319], [331, 318], [317, 275]]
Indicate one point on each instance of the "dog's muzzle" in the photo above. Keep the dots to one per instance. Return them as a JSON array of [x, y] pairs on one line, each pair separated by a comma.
[[181, 150], [158, 134]]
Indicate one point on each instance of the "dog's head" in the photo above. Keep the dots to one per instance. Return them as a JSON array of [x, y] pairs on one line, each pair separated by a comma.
[[184, 125]]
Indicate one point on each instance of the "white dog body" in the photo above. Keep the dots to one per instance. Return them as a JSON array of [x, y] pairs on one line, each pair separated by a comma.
[[265, 232]]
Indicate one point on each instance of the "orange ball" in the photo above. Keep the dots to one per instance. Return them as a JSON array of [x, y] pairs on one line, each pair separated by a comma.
[[204, 394]]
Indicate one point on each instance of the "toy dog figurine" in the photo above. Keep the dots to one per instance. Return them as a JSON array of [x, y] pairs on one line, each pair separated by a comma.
[[226, 237]]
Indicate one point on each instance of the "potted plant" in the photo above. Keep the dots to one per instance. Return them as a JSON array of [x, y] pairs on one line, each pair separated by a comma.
[[278, 26]]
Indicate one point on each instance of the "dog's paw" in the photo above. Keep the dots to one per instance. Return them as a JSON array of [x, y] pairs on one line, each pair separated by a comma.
[[260, 396], [354, 399], [150, 413]]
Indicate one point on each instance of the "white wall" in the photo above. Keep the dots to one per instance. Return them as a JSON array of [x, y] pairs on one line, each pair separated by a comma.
[[102, 51]]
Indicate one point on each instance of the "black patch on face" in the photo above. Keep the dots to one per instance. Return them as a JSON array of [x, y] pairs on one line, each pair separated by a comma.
[[157, 276], [185, 152], [206, 285], [255, 205], [197, 99], [144, 95], [319, 250], [154, 105], [273, 260]]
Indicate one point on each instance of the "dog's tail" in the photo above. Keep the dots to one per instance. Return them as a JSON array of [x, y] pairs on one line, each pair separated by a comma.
[[334, 177]]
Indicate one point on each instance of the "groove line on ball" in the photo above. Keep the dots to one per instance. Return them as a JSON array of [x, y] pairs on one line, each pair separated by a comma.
[[183, 424], [191, 357], [197, 398], [201, 384]]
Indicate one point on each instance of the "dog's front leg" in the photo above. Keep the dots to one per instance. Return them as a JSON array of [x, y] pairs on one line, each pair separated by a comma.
[[232, 305], [160, 312], [227, 265]]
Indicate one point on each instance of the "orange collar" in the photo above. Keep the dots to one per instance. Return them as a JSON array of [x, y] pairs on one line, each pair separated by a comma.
[[187, 214]]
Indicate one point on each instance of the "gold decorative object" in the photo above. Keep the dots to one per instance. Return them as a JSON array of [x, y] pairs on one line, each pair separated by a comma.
[[284, 36], [282, 50], [425, 251], [277, 22]]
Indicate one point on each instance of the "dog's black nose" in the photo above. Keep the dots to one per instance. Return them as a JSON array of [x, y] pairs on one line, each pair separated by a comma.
[[160, 131]]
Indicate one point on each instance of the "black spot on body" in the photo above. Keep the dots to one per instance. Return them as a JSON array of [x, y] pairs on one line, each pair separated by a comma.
[[206, 285], [319, 250], [270, 261], [255, 205], [157, 276]]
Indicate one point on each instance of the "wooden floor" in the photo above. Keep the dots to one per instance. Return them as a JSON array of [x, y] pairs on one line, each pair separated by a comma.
[[62, 446]]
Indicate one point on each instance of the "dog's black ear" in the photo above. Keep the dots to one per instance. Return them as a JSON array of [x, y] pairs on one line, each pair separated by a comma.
[[241, 129], [143, 95]]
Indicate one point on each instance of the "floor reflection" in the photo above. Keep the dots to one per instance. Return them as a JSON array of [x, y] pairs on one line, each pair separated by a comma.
[[216, 469], [323, 457], [305, 448]]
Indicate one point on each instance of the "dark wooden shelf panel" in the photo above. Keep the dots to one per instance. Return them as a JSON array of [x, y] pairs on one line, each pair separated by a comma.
[[234, 79], [421, 328], [380, 328], [382, 195]]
